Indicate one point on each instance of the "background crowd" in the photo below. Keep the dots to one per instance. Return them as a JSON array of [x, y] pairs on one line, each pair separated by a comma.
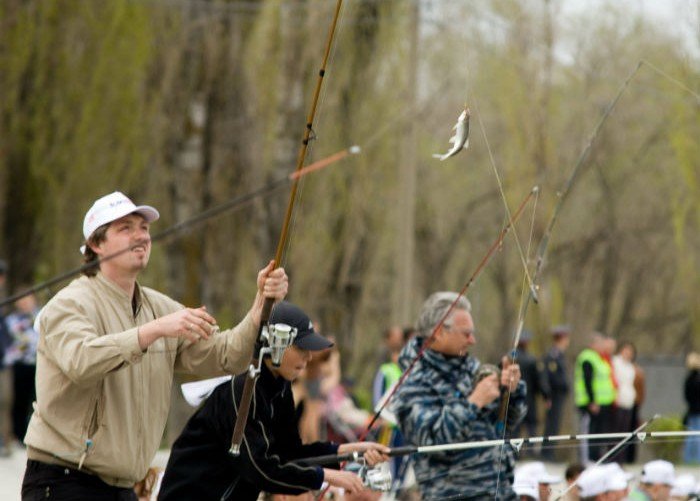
[[18, 343]]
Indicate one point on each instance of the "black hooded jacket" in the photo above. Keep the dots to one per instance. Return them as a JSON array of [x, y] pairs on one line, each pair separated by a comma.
[[201, 468]]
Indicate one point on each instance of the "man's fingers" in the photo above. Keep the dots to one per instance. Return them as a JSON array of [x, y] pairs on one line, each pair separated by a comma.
[[202, 314]]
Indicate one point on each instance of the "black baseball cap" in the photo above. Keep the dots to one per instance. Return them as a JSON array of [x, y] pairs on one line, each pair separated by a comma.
[[307, 338]]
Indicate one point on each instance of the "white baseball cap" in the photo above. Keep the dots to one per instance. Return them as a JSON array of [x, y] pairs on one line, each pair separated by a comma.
[[658, 472], [525, 484], [110, 208], [537, 470], [616, 478], [591, 482], [685, 485]]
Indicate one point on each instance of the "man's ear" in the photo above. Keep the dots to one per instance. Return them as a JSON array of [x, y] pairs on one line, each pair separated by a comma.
[[93, 246]]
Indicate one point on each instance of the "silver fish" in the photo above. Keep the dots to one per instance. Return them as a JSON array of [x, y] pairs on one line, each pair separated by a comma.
[[460, 139]]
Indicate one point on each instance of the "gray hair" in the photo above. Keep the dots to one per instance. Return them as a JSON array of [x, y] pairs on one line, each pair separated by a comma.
[[435, 307]]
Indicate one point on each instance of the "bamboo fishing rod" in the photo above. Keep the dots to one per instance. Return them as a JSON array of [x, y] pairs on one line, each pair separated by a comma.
[[243, 407]]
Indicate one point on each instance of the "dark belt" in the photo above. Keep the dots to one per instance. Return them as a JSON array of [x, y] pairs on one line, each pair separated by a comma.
[[34, 466]]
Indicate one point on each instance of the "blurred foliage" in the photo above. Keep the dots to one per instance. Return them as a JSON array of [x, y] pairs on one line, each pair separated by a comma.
[[670, 450]]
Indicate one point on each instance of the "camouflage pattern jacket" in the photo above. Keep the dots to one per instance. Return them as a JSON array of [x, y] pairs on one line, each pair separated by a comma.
[[432, 409]]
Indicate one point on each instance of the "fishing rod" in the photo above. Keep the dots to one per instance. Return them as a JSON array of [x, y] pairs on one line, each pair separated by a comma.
[[242, 408], [482, 264], [544, 243], [231, 204], [516, 443], [625, 440], [562, 196]]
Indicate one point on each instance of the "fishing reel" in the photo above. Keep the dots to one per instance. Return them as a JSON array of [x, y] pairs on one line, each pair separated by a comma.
[[278, 337], [484, 371], [377, 478]]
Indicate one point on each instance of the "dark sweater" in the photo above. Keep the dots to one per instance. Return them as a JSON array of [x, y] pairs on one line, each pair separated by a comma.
[[692, 391], [201, 468]]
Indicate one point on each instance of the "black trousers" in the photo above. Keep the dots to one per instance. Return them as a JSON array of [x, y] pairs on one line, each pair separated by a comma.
[[552, 423], [47, 481], [603, 422], [24, 394]]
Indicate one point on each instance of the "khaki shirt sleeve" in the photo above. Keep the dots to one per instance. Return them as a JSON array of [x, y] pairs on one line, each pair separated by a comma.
[[73, 343], [228, 352]]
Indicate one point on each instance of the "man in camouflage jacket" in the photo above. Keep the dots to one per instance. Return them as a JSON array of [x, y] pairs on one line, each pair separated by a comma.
[[446, 400]]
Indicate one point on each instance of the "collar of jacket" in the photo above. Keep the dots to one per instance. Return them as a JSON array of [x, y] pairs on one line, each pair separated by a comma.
[[436, 360], [272, 384], [133, 304]]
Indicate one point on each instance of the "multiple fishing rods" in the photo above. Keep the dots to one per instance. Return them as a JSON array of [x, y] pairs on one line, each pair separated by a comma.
[[482, 264], [515, 443], [544, 243]]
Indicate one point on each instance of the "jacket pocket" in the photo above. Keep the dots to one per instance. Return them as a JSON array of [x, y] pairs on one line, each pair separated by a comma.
[[94, 416]]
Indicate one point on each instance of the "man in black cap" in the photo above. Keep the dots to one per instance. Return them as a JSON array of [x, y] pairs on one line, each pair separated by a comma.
[[557, 375], [200, 466]]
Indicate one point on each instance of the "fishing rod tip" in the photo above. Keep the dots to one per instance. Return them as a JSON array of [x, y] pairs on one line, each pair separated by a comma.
[[533, 293], [354, 150]]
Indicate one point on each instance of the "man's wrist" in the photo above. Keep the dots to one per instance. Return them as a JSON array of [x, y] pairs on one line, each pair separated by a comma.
[[146, 336]]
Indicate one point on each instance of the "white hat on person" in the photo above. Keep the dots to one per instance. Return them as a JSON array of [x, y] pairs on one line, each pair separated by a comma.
[[685, 485], [616, 478], [110, 208], [591, 482], [537, 470], [658, 472], [525, 484]]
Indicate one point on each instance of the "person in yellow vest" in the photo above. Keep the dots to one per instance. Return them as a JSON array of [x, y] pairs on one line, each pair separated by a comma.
[[594, 393]]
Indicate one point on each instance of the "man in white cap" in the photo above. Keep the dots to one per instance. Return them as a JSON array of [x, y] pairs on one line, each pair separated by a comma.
[[525, 486], [106, 357], [656, 482], [685, 488], [591, 484], [608, 482], [544, 480], [616, 482]]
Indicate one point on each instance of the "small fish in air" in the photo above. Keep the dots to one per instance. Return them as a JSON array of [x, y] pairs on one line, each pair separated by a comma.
[[460, 139]]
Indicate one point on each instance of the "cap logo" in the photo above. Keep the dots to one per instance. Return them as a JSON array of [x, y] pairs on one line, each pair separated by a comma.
[[119, 202]]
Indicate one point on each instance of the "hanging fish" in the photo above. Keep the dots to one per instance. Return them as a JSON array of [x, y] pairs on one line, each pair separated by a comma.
[[460, 139]]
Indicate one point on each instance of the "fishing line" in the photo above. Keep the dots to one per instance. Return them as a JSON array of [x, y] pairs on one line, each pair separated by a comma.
[[503, 411], [521, 254], [502, 418], [670, 78]]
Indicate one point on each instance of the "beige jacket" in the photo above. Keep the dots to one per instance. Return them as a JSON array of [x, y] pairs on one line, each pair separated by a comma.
[[95, 386]]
